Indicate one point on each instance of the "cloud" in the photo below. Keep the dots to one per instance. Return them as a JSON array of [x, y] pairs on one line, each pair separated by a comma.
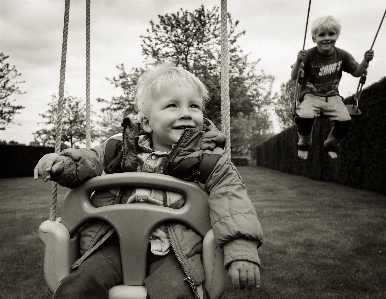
[[31, 34]]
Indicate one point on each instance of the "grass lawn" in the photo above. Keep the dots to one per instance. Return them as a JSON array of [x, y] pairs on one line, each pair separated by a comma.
[[322, 240]]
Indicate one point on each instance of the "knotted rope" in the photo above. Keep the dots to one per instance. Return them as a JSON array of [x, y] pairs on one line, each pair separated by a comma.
[[58, 141], [88, 108], [300, 71], [225, 102]]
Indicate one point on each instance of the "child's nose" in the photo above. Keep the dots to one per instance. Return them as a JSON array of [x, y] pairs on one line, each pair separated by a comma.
[[185, 112]]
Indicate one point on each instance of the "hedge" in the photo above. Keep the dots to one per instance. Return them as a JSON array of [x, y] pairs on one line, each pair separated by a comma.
[[361, 161], [20, 160]]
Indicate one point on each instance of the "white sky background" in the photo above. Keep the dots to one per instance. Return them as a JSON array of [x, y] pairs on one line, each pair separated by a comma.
[[31, 34]]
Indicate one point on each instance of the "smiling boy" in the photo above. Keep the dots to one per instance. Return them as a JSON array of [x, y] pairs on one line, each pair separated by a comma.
[[323, 66], [169, 136]]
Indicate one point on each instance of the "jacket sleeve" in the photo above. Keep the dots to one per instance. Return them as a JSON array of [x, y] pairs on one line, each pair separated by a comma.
[[234, 220], [82, 164]]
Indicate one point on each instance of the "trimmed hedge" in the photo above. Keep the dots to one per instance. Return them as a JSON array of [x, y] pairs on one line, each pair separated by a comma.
[[240, 161], [361, 159], [20, 160]]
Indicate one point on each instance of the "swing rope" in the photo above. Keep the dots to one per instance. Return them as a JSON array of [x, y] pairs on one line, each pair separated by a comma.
[[58, 142], [300, 71], [362, 79], [379, 27], [225, 101], [88, 106]]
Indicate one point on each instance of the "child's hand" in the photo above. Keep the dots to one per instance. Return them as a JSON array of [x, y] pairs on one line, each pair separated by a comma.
[[49, 165], [301, 55], [244, 273], [369, 55]]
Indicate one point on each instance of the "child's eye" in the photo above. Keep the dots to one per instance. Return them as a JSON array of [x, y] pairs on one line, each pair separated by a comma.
[[195, 106], [171, 106]]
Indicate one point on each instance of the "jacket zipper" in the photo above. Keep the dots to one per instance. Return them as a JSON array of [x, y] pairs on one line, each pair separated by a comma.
[[177, 254], [188, 278]]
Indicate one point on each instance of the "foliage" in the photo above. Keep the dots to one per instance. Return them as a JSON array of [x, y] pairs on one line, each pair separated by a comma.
[[73, 123], [248, 131], [8, 86], [118, 107], [192, 40], [284, 104]]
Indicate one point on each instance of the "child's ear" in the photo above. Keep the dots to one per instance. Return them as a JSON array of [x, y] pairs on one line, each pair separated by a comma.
[[146, 125], [313, 38]]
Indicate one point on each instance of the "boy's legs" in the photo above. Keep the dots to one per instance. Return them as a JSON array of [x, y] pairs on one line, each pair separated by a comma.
[[337, 111], [95, 276], [307, 110]]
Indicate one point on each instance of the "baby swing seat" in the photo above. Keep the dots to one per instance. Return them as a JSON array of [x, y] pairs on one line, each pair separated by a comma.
[[133, 223]]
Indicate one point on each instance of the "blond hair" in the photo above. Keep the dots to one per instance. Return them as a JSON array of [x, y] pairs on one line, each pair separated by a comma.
[[323, 23], [156, 78]]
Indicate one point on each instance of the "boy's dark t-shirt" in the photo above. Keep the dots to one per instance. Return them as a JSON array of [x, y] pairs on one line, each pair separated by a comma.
[[322, 73]]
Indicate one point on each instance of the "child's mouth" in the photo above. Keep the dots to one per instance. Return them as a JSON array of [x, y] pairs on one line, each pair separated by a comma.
[[183, 127]]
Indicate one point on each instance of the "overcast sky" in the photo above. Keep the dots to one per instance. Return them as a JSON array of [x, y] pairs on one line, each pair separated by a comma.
[[31, 34]]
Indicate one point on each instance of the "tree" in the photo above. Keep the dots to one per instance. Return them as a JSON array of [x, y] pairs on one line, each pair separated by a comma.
[[284, 104], [118, 107], [34, 143], [192, 40], [8, 86], [73, 123]]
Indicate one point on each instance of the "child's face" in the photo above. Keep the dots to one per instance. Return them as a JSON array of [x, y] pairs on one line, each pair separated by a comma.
[[173, 109], [325, 40]]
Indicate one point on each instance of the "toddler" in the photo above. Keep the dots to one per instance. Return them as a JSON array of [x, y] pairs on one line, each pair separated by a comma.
[[169, 136]]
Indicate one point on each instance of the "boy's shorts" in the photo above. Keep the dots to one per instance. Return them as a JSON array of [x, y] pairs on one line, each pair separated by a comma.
[[331, 106]]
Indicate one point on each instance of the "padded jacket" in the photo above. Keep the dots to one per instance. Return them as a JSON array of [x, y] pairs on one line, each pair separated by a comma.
[[198, 157]]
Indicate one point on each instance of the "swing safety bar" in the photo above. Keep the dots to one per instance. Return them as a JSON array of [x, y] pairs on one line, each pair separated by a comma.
[[133, 223]]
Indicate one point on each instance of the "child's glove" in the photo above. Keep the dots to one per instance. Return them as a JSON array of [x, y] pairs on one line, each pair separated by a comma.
[[301, 55], [244, 273], [369, 55], [48, 166]]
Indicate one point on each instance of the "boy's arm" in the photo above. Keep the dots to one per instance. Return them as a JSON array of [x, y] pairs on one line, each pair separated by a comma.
[[235, 225], [369, 55], [295, 67]]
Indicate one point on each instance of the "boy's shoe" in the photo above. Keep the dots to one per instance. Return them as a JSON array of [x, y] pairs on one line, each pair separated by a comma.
[[303, 151], [331, 151]]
